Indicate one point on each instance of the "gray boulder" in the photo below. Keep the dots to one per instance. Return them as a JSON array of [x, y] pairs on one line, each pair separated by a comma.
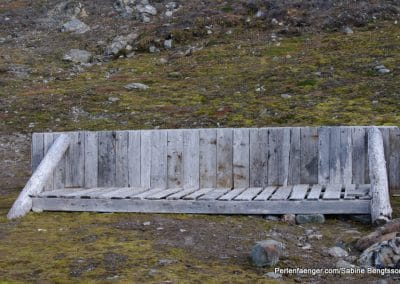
[[121, 44], [266, 253], [385, 254], [337, 252], [78, 56], [136, 86], [75, 26]]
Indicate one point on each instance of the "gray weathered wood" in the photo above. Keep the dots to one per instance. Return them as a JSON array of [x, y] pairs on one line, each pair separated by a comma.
[[241, 157], [249, 194], [106, 160], [299, 192], [229, 195], [334, 156], [294, 156], [121, 159], [175, 159], [309, 155], [266, 193], [346, 163], [258, 157], [275, 154], [203, 206], [282, 193], [284, 157], [393, 164], [75, 161], [144, 194], [196, 194], [123, 192], [91, 159], [224, 158], [332, 191], [57, 192], [359, 156], [180, 194], [208, 158], [159, 159], [323, 155], [163, 193], [134, 158], [214, 194], [145, 158], [315, 192], [381, 211], [47, 142], [191, 163], [38, 180], [37, 150]]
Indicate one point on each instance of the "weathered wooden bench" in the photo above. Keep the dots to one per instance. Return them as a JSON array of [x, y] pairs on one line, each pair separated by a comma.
[[329, 170]]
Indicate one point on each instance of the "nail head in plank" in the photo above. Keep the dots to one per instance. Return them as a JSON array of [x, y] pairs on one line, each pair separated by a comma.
[[249, 194], [299, 192], [231, 194], [266, 193], [282, 193], [332, 191]]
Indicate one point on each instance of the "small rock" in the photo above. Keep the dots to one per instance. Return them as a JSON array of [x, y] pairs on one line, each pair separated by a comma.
[[344, 264], [289, 218], [306, 246], [381, 69], [153, 49], [337, 252], [175, 74], [75, 26], [113, 99], [274, 21], [166, 261], [163, 60], [348, 31], [136, 86], [273, 275], [271, 217], [169, 13], [2, 39], [310, 218], [266, 253], [78, 56], [147, 223], [259, 14], [308, 232], [286, 96], [120, 44], [385, 254], [314, 237], [168, 43], [182, 230]]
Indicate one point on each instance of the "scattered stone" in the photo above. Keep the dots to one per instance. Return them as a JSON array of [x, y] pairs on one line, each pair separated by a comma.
[[273, 275], [337, 252], [2, 40], [120, 45], [138, 9], [376, 236], [113, 99], [381, 69], [163, 60], [310, 218], [136, 86], [286, 96], [168, 43], [166, 261], [147, 223], [348, 31], [344, 264], [274, 22], [182, 230], [385, 254], [153, 49], [175, 74], [75, 26], [19, 70], [78, 56], [314, 237], [271, 217], [289, 218], [306, 247], [308, 232], [266, 253]]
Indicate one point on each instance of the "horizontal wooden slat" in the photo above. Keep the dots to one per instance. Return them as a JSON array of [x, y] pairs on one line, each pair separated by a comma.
[[266, 193], [249, 193]]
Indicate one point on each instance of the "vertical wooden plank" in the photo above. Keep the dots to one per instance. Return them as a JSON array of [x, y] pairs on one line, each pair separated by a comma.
[[134, 158], [241, 157], [191, 156], [37, 151], [75, 161], [274, 155], [47, 142], [145, 158], [224, 158], [309, 155], [394, 161], [158, 176], [359, 156], [121, 159], [175, 159], [258, 157], [294, 156], [91, 159], [284, 156], [107, 159], [323, 155], [59, 171], [208, 158], [334, 156], [386, 141], [346, 164]]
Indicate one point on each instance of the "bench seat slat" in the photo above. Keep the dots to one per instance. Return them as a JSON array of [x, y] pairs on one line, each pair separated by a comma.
[[332, 191], [163, 193], [197, 193], [214, 194], [299, 192], [249, 194], [282, 193], [315, 192], [266, 193], [231, 194], [181, 193], [146, 193], [123, 192]]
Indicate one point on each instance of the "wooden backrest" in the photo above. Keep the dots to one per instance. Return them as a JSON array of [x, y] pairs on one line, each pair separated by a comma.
[[223, 157]]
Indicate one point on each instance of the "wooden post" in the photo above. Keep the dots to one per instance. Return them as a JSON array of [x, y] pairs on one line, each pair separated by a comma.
[[38, 180], [381, 211]]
